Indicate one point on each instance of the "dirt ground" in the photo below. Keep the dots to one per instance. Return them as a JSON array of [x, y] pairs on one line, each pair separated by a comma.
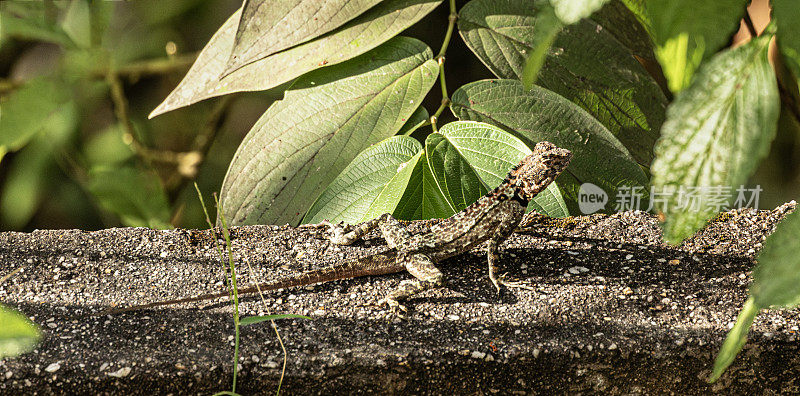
[[612, 310]]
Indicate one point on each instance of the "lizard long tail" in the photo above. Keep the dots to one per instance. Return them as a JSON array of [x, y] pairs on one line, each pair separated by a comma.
[[378, 264]]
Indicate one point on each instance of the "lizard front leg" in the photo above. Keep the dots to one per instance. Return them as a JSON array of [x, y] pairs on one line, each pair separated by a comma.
[[503, 231], [427, 277]]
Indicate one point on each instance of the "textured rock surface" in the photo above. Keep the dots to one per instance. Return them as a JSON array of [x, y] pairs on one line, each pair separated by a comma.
[[612, 310]]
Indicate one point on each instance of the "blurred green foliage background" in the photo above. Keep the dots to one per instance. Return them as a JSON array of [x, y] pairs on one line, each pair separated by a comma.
[[78, 79]]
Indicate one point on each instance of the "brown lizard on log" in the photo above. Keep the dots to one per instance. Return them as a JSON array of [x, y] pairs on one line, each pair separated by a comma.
[[491, 219]]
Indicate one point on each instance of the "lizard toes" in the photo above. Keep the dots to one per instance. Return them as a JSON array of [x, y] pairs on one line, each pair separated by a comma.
[[514, 284], [393, 305]]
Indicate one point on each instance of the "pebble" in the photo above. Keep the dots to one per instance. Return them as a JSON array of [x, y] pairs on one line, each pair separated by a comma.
[[123, 372], [52, 368], [477, 355], [453, 317]]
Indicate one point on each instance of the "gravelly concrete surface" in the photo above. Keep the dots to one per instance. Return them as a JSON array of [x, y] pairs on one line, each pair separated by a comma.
[[613, 310]]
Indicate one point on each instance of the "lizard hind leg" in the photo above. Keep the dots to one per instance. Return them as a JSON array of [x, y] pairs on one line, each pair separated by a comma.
[[426, 275], [393, 231]]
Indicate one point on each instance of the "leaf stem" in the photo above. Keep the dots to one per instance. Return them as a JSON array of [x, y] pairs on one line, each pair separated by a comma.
[[451, 24], [451, 19]]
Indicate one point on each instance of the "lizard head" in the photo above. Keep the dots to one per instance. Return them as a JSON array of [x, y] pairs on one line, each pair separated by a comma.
[[539, 169]]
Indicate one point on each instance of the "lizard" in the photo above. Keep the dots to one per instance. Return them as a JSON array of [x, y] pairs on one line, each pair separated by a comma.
[[491, 219]]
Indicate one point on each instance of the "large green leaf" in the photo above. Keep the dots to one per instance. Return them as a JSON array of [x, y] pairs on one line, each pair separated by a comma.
[[687, 32], [787, 18], [716, 132], [421, 198], [367, 31], [134, 195], [267, 27], [29, 109], [459, 164], [492, 152], [536, 115], [329, 116], [617, 90], [621, 18], [368, 185], [453, 176], [776, 279], [17, 334]]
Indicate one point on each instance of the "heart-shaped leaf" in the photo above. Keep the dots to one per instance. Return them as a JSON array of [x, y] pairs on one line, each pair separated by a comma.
[[372, 183], [716, 132], [205, 78], [536, 115], [329, 116], [491, 152], [459, 164]]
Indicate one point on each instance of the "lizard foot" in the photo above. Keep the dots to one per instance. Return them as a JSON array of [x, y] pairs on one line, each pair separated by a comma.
[[394, 305], [336, 232], [512, 283]]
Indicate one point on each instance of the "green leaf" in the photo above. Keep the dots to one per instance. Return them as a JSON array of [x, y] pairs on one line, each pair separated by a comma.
[[107, 147], [136, 196], [248, 320], [716, 133], [29, 176], [625, 24], [492, 152], [30, 23], [18, 334], [735, 339], [329, 116], [571, 11], [776, 279], [369, 184], [29, 109], [618, 91], [687, 32], [459, 164], [537, 115], [358, 36], [77, 23], [638, 9], [414, 122], [787, 19], [267, 27], [453, 177]]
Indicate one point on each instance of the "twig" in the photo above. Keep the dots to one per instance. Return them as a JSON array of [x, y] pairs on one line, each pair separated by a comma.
[[12, 273], [190, 161]]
